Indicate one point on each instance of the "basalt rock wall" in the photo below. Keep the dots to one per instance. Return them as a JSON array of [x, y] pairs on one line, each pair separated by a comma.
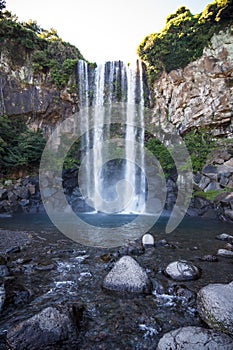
[[201, 94]]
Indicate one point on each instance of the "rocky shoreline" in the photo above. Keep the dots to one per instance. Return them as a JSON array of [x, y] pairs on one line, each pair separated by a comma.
[[212, 191]]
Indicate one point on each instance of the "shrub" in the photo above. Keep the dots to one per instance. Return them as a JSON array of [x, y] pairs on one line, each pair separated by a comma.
[[184, 37]]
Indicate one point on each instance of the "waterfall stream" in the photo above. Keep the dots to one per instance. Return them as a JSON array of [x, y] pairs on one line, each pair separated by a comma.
[[103, 86]]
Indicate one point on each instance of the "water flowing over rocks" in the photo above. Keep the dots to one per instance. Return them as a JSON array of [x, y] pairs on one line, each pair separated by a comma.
[[195, 338], [48, 327], [200, 94], [215, 306], [127, 276], [2, 296], [182, 271]]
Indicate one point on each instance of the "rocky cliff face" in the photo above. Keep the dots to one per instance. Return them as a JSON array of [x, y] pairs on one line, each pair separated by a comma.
[[24, 93], [201, 94]]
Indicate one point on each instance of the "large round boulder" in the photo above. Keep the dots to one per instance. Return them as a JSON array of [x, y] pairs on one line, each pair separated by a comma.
[[215, 306], [195, 338], [127, 276], [48, 327]]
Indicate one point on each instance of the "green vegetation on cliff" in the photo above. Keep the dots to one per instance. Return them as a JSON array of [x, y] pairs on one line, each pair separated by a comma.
[[19, 146], [47, 51], [184, 37], [199, 144]]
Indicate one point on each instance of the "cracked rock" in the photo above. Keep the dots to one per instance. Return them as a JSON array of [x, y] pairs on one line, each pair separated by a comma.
[[195, 338]]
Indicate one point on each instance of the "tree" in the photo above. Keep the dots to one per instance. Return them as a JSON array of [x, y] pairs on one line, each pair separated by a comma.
[[2, 5]]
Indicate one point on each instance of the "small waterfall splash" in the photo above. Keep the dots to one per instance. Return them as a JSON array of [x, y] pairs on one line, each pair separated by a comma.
[[110, 83]]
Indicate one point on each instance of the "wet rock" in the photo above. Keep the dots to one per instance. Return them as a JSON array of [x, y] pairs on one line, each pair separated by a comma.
[[134, 248], [127, 276], [183, 293], [50, 326], [195, 338], [148, 240], [215, 306], [12, 241], [209, 258], [229, 214], [225, 237], [225, 252], [2, 296], [3, 193], [229, 246], [182, 270], [4, 271]]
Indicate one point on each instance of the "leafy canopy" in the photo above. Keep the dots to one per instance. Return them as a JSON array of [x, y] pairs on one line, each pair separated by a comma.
[[19, 146]]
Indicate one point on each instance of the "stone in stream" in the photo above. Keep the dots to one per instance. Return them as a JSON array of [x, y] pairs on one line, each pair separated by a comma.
[[127, 276], [182, 270], [48, 327], [195, 338], [225, 252], [225, 237], [148, 240], [209, 258], [215, 306]]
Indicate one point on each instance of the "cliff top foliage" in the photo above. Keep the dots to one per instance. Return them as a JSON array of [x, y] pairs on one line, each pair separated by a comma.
[[48, 52], [184, 37]]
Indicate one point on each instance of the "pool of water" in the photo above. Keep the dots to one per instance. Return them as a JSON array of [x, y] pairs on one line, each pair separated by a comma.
[[76, 272]]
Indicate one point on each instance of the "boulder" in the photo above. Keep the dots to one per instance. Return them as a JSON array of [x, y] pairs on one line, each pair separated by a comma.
[[225, 237], [195, 338], [225, 252], [48, 327], [215, 306], [182, 270], [127, 276], [148, 240]]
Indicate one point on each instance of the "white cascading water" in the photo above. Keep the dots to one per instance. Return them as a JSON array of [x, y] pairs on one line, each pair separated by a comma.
[[114, 82], [83, 88], [130, 203]]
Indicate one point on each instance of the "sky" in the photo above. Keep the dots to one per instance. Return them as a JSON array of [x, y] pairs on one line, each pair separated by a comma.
[[102, 29]]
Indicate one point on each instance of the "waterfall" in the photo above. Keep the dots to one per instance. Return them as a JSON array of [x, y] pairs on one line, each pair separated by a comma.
[[130, 138], [110, 83]]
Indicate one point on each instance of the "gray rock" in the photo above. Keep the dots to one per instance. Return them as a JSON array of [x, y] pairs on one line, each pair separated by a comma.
[[3, 193], [225, 252], [210, 169], [182, 270], [213, 186], [2, 296], [229, 213], [204, 182], [209, 258], [225, 237], [49, 326], [195, 338], [127, 276], [4, 271], [215, 306], [148, 240]]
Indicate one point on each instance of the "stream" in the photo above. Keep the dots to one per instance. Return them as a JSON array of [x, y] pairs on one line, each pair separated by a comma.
[[50, 269]]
